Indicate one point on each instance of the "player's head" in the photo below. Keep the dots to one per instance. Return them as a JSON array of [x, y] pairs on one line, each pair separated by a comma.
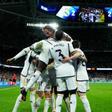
[[48, 31], [76, 43], [59, 35]]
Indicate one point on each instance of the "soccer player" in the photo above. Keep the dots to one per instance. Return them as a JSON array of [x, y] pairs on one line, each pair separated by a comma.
[[27, 71], [43, 58], [44, 90], [65, 72], [82, 77], [66, 37]]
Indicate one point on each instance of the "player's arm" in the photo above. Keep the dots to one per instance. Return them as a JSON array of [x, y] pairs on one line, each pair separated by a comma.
[[74, 55], [50, 66], [19, 55], [83, 58]]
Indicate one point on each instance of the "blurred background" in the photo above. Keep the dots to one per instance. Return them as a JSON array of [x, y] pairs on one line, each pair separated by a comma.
[[85, 20]]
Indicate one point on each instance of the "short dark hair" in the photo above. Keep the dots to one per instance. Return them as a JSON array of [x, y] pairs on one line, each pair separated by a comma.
[[59, 35], [76, 43], [48, 28]]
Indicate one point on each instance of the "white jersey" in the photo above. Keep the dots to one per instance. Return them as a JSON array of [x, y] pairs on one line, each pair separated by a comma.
[[46, 44], [22, 53], [28, 67], [59, 50], [82, 74]]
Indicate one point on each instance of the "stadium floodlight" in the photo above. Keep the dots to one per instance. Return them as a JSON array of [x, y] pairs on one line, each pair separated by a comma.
[[40, 25]]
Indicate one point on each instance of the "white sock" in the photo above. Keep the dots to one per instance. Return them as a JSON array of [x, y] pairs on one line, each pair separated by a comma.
[[32, 100], [53, 101], [18, 101], [67, 102], [59, 102], [38, 102], [33, 79], [73, 103], [46, 104], [85, 103]]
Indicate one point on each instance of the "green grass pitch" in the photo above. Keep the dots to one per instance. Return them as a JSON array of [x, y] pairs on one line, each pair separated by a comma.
[[100, 97]]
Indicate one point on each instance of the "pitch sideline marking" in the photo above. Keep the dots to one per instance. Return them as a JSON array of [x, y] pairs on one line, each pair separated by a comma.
[[2, 89]]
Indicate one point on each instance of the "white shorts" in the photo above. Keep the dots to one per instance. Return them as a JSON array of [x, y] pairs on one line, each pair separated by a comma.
[[82, 86], [67, 83], [24, 81], [43, 86]]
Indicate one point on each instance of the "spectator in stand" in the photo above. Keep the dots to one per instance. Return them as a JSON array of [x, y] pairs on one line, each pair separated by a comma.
[[14, 78]]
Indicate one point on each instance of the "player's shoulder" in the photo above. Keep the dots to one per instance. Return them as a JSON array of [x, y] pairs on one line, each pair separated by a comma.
[[78, 49], [50, 41]]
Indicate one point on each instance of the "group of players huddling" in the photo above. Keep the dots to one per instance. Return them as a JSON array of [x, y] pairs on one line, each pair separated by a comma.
[[58, 66]]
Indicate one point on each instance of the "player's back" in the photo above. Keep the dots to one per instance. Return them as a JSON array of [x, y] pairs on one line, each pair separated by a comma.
[[81, 68], [59, 51]]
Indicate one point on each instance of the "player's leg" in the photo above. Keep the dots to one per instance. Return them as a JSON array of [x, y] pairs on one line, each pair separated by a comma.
[[41, 66], [32, 99], [82, 88], [71, 85], [73, 100], [39, 99], [53, 98], [59, 100], [34, 78], [39, 92], [23, 83], [47, 100], [61, 88], [48, 95], [67, 100], [85, 102], [52, 77], [17, 103]]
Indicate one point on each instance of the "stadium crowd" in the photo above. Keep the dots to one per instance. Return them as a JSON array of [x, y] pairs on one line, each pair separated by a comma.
[[68, 81]]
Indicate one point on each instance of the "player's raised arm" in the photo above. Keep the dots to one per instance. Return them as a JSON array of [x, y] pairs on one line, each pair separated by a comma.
[[10, 60], [20, 54]]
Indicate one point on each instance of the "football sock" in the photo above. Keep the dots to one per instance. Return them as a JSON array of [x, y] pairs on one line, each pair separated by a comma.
[[59, 102], [85, 103], [72, 102], [18, 101]]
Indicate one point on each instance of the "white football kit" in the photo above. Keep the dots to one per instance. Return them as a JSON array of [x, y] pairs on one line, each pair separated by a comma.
[[26, 73], [65, 72], [46, 44], [44, 84], [82, 75], [28, 68]]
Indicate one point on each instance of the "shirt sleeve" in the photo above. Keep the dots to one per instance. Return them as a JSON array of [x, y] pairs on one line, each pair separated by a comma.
[[70, 47], [36, 47], [22, 53]]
